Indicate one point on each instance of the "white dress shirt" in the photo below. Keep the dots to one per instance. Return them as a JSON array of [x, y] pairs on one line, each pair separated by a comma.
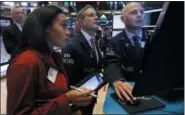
[[18, 25], [87, 37]]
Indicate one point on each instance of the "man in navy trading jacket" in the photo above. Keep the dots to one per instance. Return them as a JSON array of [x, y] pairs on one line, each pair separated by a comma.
[[82, 56], [125, 50]]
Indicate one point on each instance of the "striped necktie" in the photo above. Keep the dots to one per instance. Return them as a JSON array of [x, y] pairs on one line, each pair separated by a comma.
[[94, 48]]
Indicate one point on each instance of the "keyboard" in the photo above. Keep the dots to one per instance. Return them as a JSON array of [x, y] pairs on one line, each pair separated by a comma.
[[140, 105]]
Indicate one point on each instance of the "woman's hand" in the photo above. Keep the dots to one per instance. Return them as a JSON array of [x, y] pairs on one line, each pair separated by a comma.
[[80, 98]]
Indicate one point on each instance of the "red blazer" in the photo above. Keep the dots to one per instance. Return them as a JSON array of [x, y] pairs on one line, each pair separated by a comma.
[[30, 91]]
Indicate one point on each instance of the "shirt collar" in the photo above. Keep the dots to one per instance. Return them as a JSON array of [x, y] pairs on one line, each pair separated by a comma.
[[87, 36], [131, 35], [18, 25]]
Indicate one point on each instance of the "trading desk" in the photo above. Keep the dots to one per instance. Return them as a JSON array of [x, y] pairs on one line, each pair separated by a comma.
[[112, 107], [3, 70]]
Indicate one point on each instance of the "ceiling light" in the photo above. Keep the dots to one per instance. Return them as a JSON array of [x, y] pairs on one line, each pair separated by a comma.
[[24, 3], [34, 4], [9, 3]]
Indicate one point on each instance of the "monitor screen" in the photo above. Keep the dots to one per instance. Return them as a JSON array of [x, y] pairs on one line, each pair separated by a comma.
[[163, 61], [4, 22], [117, 23], [115, 33], [150, 19]]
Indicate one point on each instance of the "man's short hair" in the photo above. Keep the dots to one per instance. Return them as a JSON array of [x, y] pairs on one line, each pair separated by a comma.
[[80, 15], [122, 11], [15, 8]]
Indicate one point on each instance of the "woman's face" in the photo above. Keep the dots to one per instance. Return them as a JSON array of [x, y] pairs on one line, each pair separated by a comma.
[[58, 32]]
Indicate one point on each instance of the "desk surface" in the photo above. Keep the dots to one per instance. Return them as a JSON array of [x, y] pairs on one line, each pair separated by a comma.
[[112, 107], [4, 70]]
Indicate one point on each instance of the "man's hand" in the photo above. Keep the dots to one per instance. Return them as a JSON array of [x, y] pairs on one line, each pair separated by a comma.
[[124, 91]]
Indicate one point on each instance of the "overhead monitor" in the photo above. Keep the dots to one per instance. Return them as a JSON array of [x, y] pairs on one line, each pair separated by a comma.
[[117, 23]]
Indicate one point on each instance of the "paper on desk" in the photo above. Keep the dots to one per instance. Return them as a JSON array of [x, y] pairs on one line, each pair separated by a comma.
[[98, 108]]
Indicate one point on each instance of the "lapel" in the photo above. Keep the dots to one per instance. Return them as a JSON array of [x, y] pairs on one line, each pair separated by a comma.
[[15, 28], [47, 61], [85, 46], [145, 35], [98, 49], [59, 62], [125, 43], [129, 48], [145, 39]]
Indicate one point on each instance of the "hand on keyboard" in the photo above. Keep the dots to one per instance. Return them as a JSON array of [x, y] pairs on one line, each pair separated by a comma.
[[124, 91]]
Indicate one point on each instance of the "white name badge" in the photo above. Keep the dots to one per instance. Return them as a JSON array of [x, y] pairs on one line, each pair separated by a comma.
[[52, 74]]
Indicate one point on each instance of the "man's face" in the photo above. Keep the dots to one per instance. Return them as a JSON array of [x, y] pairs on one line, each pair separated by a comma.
[[17, 15], [89, 21], [133, 16]]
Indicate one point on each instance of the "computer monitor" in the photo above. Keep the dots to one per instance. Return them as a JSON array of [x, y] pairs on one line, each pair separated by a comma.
[[115, 32], [117, 23], [4, 22], [163, 61]]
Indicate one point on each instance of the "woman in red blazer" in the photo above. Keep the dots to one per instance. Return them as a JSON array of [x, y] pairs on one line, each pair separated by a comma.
[[36, 80]]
